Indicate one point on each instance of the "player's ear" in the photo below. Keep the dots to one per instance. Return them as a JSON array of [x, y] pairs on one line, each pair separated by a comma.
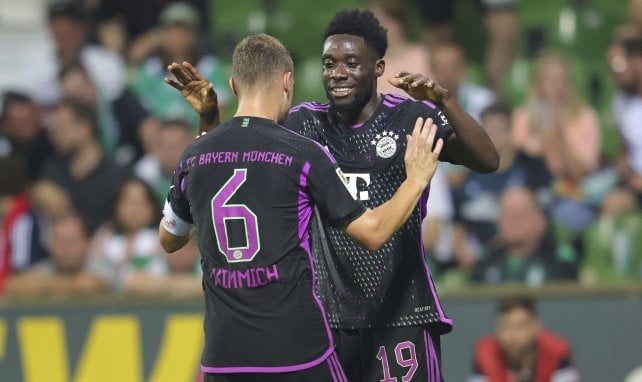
[[288, 84], [380, 67], [233, 87]]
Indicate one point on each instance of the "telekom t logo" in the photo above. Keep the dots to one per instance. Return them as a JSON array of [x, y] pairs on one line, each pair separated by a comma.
[[358, 185]]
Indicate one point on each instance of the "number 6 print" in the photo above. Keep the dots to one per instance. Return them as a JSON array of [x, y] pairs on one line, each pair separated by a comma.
[[222, 212]]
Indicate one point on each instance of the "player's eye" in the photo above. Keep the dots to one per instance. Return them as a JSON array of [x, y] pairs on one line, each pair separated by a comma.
[[352, 64], [328, 65]]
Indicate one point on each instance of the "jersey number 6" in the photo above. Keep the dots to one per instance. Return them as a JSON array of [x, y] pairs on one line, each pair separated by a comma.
[[222, 212]]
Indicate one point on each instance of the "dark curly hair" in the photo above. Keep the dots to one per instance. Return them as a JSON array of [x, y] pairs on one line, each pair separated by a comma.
[[359, 23]]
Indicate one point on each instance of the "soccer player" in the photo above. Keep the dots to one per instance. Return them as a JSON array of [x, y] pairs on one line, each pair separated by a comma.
[[382, 306], [248, 188]]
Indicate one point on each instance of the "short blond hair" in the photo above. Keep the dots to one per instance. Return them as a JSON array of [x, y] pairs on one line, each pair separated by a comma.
[[258, 59]]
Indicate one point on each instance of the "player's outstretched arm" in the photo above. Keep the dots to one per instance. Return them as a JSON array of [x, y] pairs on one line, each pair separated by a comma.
[[374, 227], [469, 145], [198, 92]]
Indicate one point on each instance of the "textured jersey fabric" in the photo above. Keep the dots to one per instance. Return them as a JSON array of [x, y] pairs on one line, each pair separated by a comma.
[[392, 286], [249, 187]]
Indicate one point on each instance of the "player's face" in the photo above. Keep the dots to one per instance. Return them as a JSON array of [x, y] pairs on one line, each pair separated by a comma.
[[350, 71], [516, 332]]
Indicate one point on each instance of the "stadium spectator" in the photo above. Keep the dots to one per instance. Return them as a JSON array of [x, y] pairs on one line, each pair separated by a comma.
[[402, 54], [525, 249], [450, 68], [129, 27], [157, 168], [477, 199], [68, 25], [22, 133], [500, 20], [126, 247], [119, 121], [66, 272], [521, 349], [178, 43], [556, 125], [21, 237], [613, 243], [437, 225], [80, 168]]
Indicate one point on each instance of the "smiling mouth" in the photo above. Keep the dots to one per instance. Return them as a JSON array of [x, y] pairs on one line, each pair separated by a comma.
[[340, 91]]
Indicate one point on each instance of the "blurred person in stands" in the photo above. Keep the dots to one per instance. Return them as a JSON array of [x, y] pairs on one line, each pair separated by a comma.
[[500, 20], [157, 169], [525, 249], [81, 168], [477, 203], [521, 349], [554, 124], [450, 68], [66, 272], [178, 43], [68, 25], [183, 278], [119, 121], [402, 54], [22, 133], [129, 27], [613, 243], [21, 236], [127, 246]]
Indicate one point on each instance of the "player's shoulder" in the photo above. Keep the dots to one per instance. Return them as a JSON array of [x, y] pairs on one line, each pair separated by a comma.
[[407, 103], [310, 108]]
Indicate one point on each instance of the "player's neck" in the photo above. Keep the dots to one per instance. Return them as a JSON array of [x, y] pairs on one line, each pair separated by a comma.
[[259, 106], [362, 115]]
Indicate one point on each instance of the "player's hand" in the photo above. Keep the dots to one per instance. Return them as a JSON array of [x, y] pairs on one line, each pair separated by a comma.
[[421, 158], [196, 90], [419, 87]]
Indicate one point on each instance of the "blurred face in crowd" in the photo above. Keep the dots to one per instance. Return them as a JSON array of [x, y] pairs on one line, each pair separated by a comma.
[[135, 207], [68, 34], [350, 71], [23, 121], [68, 134], [178, 41], [173, 138], [521, 220], [552, 79], [517, 332], [448, 66], [498, 128], [69, 244], [77, 85]]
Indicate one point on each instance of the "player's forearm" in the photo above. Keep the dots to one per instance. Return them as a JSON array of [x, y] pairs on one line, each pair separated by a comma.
[[207, 122], [471, 146], [169, 242], [376, 226]]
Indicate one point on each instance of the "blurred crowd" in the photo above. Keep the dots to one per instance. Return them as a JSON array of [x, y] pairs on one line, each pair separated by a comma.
[[90, 136]]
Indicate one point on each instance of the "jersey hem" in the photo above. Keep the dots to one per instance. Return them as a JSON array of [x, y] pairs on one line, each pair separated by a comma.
[[267, 369]]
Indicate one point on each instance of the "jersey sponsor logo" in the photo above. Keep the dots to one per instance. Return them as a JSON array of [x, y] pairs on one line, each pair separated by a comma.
[[358, 185], [385, 144]]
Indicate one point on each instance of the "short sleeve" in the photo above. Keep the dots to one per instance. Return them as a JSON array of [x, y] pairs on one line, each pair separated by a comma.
[[444, 129], [328, 188], [176, 196]]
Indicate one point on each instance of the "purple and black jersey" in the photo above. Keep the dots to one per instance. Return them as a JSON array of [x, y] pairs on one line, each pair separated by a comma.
[[390, 287], [250, 186]]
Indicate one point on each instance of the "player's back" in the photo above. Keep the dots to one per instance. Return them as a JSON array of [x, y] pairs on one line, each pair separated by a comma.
[[246, 183]]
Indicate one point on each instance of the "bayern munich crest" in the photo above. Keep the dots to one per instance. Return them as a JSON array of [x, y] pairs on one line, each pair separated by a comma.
[[385, 144]]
